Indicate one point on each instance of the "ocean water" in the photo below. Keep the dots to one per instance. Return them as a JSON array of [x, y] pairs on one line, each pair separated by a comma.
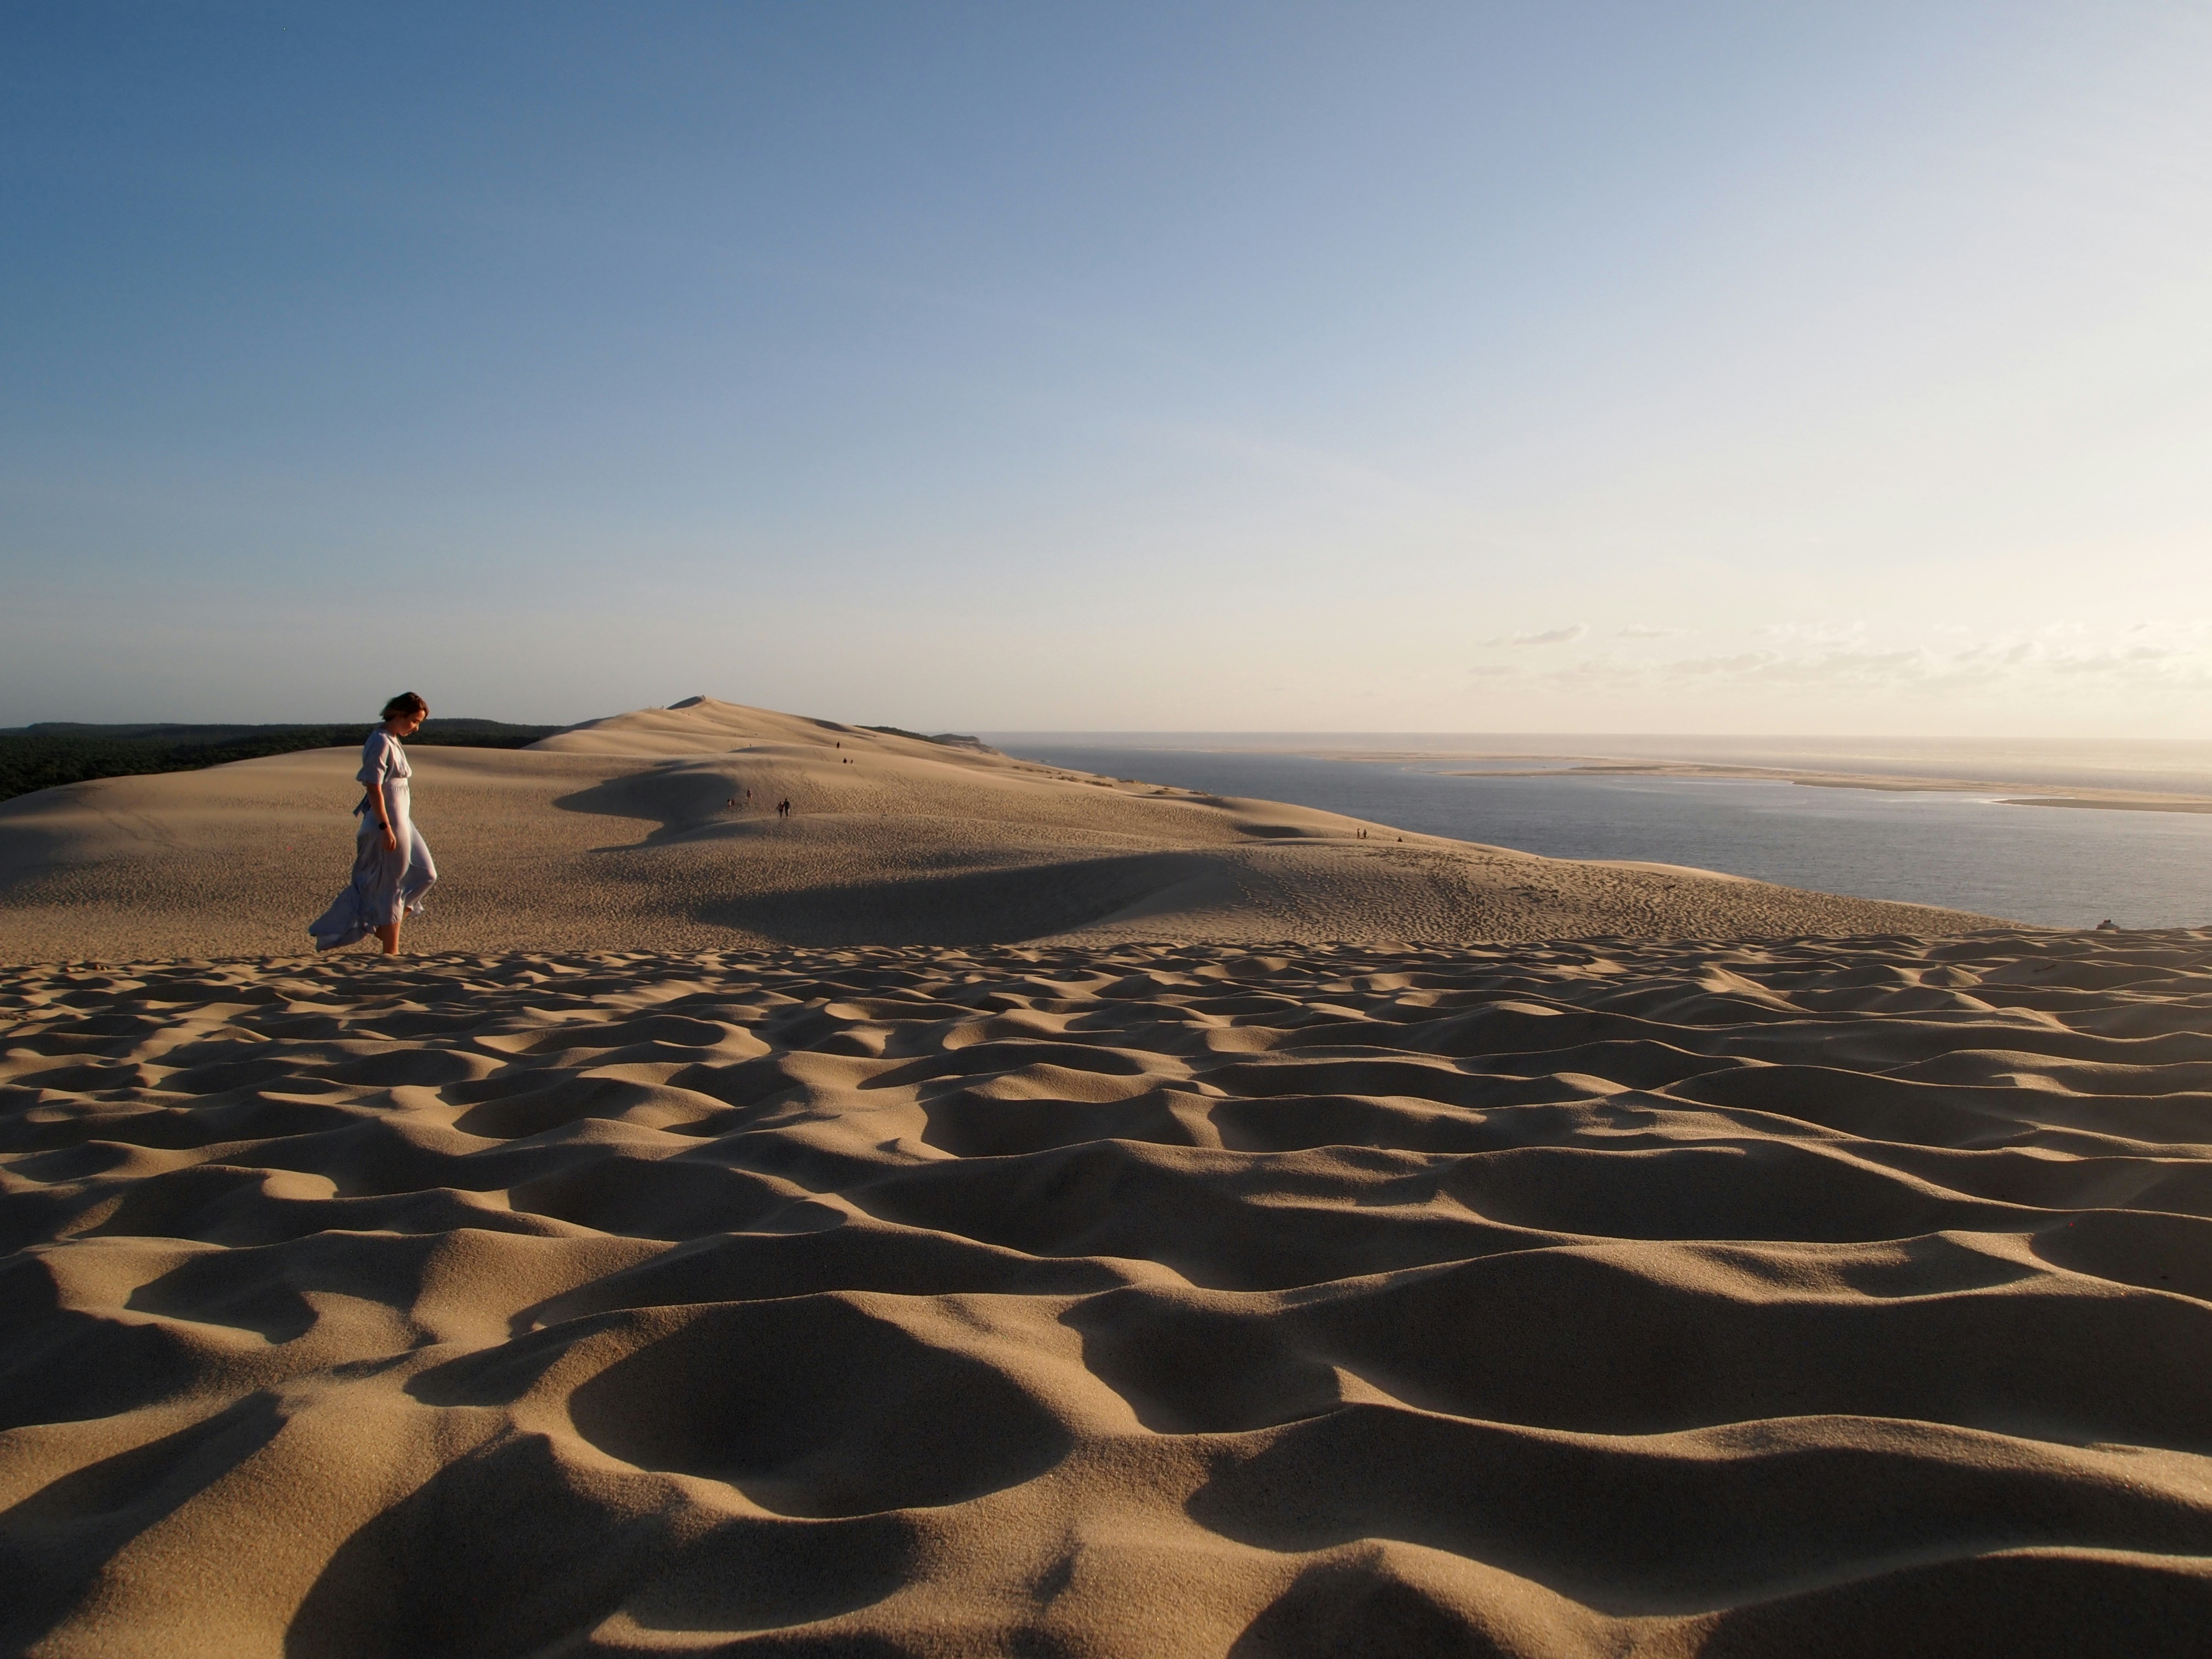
[[2058, 867]]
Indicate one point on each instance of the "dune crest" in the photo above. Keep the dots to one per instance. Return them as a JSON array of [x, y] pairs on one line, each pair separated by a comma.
[[655, 830], [1825, 1296]]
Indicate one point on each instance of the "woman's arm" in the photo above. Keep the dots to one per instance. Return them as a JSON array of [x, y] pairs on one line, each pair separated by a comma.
[[376, 794]]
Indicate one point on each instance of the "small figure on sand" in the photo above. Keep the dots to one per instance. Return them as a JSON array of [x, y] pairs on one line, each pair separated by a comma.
[[391, 866], [783, 808]]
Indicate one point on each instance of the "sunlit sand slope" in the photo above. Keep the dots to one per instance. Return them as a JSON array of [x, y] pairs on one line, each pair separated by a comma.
[[656, 830], [1828, 1296]]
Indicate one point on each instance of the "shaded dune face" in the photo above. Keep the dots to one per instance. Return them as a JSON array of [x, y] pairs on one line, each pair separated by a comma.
[[1558, 1301]]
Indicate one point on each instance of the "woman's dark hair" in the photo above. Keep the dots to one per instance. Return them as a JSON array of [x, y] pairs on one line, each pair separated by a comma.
[[406, 704]]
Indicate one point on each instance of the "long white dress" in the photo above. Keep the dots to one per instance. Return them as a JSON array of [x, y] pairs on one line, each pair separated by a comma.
[[387, 883]]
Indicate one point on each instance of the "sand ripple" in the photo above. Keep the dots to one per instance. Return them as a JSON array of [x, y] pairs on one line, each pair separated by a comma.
[[1831, 1296]]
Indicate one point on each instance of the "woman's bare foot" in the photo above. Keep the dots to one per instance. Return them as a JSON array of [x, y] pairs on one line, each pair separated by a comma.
[[390, 936]]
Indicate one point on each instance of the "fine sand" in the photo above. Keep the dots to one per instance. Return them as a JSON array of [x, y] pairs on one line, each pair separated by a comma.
[[1826, 1296], [622, 836]]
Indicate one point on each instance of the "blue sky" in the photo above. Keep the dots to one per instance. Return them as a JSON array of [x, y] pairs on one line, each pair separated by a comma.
[[1713, 369]]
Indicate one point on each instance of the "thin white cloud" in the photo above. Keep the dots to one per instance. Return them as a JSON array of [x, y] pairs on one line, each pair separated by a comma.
[[2019, 665], [1831, 634], [1351, 476], [1640, 631], [1549, 636]]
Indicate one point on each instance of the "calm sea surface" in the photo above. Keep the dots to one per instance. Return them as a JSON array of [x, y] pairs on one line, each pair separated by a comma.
[[2050, 866]]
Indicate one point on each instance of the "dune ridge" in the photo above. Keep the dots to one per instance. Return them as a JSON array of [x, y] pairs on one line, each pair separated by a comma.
[[1804, 1296], [637, 832]]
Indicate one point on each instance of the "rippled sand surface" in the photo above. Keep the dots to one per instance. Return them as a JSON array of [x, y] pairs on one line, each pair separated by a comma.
[[1839, 1296]]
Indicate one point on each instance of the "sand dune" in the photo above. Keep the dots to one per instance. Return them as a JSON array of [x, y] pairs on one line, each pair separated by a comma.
[[1827, 1296], [621, 836]]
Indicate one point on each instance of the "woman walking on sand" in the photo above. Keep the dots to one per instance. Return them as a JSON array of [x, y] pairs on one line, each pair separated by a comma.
[[392, 867]]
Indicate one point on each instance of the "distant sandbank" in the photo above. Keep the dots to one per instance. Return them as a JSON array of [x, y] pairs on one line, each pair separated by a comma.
[[2113, 800]]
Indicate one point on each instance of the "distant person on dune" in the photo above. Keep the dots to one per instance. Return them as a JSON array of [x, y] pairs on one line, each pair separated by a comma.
[[391, 866]]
